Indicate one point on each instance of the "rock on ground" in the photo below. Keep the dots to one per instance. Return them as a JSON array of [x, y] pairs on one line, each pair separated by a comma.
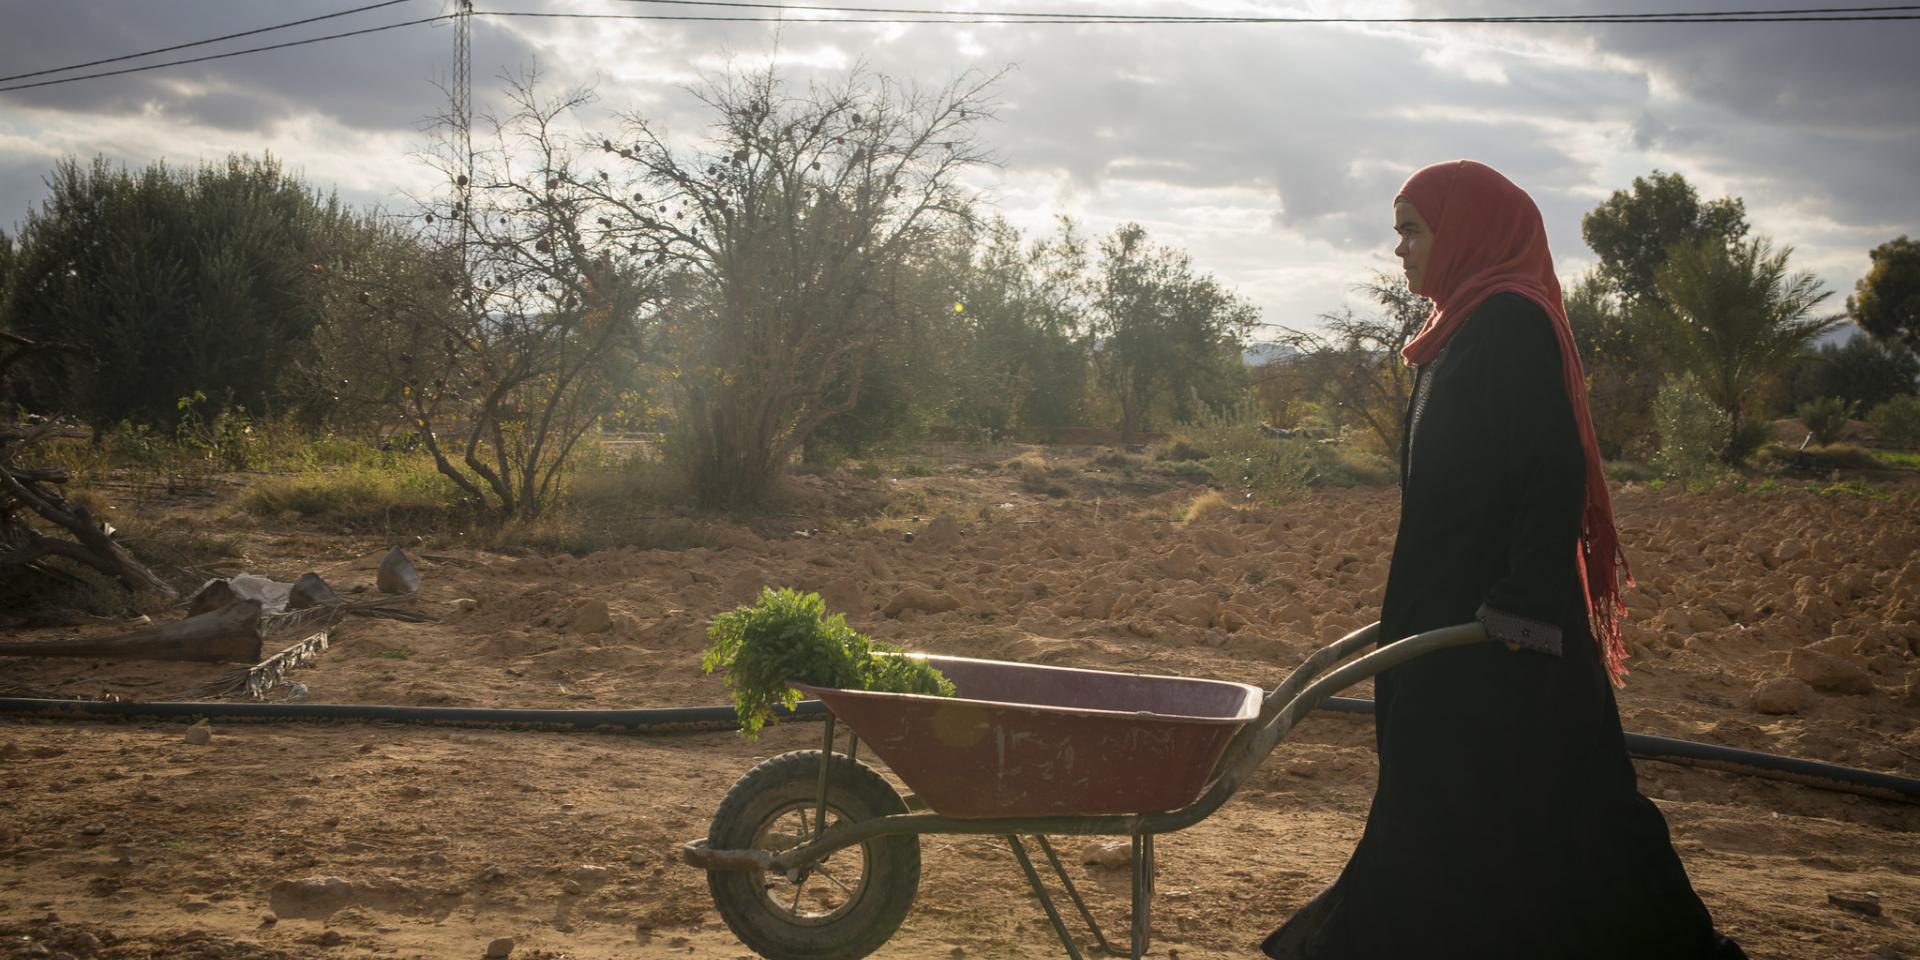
[[591, 616], [397, 574], [1829, 674], [921, 599], [1781, 695], [942, 532], [310, 898]]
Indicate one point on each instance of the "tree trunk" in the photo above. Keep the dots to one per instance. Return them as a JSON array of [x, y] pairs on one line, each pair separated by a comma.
[[36, 490], [228, 634]]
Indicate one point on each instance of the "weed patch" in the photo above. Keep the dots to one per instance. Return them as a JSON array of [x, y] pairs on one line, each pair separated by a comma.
[[405, 492], [1898, 458]]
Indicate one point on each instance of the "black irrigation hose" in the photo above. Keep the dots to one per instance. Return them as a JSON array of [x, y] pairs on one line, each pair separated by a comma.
[[1687, 753], [661, 720], [1827, 776]]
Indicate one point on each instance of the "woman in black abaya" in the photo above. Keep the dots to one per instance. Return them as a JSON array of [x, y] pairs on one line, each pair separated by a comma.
[[1506, 822]]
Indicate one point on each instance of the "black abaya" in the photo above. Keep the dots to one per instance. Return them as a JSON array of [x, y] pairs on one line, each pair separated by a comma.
[[1506, 822]]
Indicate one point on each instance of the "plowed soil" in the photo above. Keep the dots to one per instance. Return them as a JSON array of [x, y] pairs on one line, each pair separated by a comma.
[[126, 840]]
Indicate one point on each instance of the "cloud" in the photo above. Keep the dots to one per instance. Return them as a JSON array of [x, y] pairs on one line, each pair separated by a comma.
[[354, 81], [1272, 152]]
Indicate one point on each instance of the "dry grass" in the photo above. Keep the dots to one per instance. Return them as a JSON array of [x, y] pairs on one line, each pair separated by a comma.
[[1210, 503], [401, 495]]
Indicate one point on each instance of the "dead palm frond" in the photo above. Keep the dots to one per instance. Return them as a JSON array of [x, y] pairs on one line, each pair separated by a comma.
[[328, 615], [263, 677], [315, 625]]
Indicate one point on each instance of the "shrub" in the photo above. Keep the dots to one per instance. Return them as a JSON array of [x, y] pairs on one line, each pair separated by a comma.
[[1183, 450], [1247, 458], [1630, 471], [1036, 481], [1897, 422], [1745, 440], [1817, 459], [788, 637], [1693, 431], [1190, 470], [1862, 372], [1826, 417]]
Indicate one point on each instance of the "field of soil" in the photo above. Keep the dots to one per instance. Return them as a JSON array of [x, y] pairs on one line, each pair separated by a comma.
[[1787, 621]]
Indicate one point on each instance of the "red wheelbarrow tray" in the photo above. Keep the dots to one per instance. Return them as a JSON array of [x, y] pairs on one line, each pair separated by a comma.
[[1030, 740]]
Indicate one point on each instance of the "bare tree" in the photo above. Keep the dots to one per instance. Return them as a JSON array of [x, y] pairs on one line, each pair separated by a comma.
[[493, 324], [790, 236], [1356, 364]]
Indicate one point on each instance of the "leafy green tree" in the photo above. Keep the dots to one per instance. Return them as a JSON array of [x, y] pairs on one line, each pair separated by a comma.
[[1157, 324], [1017, 310], [1736, 317], [1620, 351], [170, 283], [1886, 302], [1634, 229], [1862, 372]]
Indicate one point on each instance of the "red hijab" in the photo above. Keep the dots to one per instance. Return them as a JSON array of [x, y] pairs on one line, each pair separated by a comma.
[[1488, 239]]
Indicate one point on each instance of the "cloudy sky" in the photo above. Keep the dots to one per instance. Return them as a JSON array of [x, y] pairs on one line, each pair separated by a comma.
[[1270, 151]]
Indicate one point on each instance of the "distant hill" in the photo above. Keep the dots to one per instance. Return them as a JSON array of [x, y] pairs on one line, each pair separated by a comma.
[[1842, 332], [1261, 354]]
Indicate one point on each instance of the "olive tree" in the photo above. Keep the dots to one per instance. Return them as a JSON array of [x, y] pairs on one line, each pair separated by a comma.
[[1019, 307], [168, 283], [1886, 302], [1156, 323]]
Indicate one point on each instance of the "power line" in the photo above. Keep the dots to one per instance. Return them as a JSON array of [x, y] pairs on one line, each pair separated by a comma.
[[1799, 15], [232, 53], [970, 17], [1721, 15], [934, 17], [201, 43]]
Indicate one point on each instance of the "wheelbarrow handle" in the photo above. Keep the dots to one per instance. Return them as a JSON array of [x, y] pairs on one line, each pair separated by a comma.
[[1348, 674], [1305, 689], [1313, 666]]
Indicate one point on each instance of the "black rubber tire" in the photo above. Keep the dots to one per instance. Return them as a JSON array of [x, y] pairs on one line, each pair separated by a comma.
[[855, 792]]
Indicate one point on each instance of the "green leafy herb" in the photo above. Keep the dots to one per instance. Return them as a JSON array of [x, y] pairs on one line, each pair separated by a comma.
[[788, 636]]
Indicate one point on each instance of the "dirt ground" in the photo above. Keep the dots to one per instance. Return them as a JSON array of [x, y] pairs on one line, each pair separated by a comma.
[[126, 840]]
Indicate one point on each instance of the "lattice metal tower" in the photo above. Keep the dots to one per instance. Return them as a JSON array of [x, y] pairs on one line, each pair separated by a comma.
[[463, 111]]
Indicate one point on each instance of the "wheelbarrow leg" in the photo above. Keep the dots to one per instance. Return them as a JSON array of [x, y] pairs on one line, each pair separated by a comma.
[[826, 758], [1073, 893], [1046, 900], [1143, 874]]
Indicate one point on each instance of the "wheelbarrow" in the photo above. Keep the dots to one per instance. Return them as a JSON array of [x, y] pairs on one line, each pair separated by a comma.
[[812, 855]]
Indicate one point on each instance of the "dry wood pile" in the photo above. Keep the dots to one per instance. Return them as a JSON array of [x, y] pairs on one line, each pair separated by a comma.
[[38, 522]]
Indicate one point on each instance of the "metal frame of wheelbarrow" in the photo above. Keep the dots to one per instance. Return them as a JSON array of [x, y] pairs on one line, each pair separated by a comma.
[[1303, 690]]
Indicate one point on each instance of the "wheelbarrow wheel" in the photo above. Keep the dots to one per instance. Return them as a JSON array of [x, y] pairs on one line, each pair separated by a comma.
[[840, 908]]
